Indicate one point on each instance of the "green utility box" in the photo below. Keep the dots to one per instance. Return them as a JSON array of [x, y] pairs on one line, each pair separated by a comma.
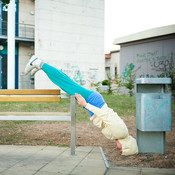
[[153, 114]]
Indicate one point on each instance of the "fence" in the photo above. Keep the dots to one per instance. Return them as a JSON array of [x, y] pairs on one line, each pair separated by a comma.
[[22, 30]]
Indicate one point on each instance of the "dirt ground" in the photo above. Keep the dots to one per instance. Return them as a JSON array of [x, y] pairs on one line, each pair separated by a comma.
[[58, 133]]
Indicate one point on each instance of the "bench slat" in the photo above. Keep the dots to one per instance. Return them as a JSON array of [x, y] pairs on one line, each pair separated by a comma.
[[29, 99], [36, 118], [36, 113], [30, 92]]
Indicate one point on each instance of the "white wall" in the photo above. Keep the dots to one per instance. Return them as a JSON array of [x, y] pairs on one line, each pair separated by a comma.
[[26, 7], [70, 36], [153, 58], [26, 49], [25, 52], [113, 62]]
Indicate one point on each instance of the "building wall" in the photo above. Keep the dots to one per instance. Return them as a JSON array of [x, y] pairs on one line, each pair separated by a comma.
[[26, 12], [26, 49], [112, 64], [70, 36], [154, 57], [115, 62], [26, 19]]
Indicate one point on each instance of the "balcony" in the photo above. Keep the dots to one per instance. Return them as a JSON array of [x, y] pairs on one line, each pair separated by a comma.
[[23, 32]]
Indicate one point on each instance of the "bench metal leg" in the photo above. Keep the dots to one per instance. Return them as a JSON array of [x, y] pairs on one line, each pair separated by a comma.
[[73, 125]]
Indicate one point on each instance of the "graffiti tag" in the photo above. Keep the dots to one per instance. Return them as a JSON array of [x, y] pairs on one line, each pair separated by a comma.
[[157, 62], [127, 70]]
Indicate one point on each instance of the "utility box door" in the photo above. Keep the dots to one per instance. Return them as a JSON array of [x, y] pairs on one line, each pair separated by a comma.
[[154, 112]]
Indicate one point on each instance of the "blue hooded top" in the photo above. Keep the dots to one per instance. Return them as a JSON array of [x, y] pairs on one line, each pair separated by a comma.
[[95, 99]]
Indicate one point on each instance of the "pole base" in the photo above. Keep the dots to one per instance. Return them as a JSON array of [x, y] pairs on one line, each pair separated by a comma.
[[151, 142]]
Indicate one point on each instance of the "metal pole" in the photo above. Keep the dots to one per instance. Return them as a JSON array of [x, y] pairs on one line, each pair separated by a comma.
[[11, 46], [73, 125], [1, 73]]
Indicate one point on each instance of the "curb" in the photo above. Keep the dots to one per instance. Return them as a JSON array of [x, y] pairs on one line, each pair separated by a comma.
[[134, 168]]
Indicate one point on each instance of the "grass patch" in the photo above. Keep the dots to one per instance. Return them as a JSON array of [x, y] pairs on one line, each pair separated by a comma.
[[63, 146], [63, 106], [122, 104], [53, 144], [11, 132], [173, 110]]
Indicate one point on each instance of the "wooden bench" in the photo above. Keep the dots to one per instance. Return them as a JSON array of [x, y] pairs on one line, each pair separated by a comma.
[[39, 95]]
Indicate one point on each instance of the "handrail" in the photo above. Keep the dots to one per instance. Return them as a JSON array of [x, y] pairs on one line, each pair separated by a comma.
[[22, 30]]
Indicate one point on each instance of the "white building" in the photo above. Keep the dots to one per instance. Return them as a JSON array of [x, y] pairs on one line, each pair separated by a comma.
[[66, 34], [153, 51], [112, 62]]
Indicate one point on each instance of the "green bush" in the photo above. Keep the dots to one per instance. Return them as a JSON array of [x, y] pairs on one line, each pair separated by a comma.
[[129, 78], [105, 82]]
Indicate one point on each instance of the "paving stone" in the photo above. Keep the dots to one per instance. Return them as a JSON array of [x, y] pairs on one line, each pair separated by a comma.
[[30, 164], [2, 169], [62, 164], [90, 166], [95, 155], [15, 172], [84, 170], [8, 161], [158, 171], [118, 171], [84, 148], [4, 149], [47, 173], [80, 154]]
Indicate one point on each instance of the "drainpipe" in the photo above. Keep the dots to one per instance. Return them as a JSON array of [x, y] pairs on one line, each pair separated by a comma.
[[11, 46]]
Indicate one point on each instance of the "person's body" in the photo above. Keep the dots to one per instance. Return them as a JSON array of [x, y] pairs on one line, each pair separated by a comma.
[[111, 125]]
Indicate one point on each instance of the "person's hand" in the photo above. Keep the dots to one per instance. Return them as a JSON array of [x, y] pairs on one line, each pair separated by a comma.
[[80, 100]]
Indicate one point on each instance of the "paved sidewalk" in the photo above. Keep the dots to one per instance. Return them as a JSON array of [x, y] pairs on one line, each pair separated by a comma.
[[139, 171], [53, 160], [50, 160]]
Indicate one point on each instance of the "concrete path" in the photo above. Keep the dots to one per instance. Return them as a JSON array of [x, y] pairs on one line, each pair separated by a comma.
[[139, 171], [50, 160]]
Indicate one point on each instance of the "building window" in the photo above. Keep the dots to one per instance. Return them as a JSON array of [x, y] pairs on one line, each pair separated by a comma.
[[107, 72]]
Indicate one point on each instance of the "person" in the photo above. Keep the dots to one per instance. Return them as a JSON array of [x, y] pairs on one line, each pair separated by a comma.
[[111, 125]]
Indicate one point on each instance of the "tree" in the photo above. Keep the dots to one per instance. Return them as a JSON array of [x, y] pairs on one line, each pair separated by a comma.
[[118, 82]]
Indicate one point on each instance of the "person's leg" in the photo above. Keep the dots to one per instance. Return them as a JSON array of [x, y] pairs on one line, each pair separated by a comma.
[[57, 77], [64, 82]]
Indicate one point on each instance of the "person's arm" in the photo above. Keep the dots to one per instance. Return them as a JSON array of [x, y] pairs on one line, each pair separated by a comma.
[[97, 111]]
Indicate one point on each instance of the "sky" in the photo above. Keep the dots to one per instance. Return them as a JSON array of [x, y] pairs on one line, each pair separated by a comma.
[[124, 17]]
